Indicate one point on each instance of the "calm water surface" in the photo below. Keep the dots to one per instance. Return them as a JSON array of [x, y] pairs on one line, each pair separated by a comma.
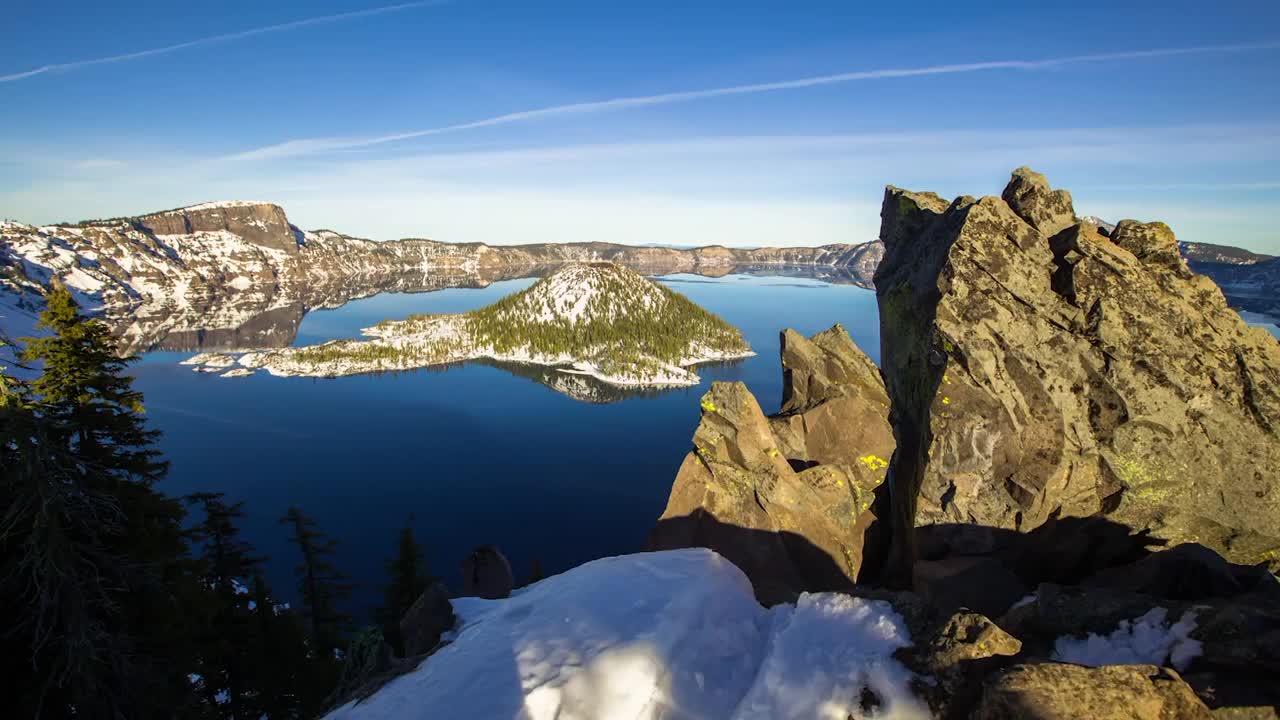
[[477, 455]]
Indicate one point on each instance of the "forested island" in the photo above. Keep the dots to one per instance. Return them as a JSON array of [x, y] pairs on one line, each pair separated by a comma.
[[597, 319]]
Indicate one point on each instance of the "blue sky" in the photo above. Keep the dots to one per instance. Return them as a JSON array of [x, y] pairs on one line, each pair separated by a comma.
[[672, 122]]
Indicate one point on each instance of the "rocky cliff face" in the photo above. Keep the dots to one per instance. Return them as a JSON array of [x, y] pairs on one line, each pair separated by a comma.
[[1038, 368], [260, 224], [790, 499]]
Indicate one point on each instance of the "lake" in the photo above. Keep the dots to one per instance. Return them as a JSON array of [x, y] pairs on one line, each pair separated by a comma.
[[477, 454]]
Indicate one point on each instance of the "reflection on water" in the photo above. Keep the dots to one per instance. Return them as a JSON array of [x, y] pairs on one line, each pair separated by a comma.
[[585, 387], [257, 320], [478, 453]]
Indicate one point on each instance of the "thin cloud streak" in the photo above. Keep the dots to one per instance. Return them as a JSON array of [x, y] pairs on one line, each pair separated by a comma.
[[319, 145], [62, 67]]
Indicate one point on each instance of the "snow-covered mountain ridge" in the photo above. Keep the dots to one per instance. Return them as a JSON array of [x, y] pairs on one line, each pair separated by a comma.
[[191, 254]]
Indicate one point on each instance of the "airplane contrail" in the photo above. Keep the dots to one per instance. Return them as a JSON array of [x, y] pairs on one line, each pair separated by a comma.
[[60, 67], [318, 145]]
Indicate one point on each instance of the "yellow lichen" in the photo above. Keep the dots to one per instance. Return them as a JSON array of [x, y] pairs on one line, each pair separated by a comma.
[[873, 462]]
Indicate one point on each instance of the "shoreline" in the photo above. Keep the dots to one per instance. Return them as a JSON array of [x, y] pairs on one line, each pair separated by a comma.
[[681, 375]]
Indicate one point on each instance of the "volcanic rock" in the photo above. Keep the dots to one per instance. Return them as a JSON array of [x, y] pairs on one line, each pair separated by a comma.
[[791, 499], [1039, 369], [1057, 691]]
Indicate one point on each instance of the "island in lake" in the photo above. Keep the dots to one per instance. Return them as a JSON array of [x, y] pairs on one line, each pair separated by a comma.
[[600, 320]]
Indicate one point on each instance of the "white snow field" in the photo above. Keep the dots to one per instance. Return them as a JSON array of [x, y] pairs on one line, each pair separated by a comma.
[[675, 635]]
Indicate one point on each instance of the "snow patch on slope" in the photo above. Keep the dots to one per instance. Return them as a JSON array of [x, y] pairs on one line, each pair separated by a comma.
[[674, 634], [1148, 640]]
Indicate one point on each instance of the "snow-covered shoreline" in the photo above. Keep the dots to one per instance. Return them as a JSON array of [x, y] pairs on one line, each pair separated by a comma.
[[279, 364]]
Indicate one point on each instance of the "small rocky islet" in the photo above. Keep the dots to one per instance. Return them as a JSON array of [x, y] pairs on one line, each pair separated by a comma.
[[600, 320]]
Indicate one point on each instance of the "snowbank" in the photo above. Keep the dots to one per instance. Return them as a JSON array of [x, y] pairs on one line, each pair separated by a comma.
[[674, 634], [1148, 640]]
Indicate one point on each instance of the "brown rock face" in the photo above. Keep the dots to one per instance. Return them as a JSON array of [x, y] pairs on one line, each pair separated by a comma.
[[261, 224], [1039, 369], [1055, 691], [486, 573], [1028, 194], [428, 619], [833, 402], [788, 499]]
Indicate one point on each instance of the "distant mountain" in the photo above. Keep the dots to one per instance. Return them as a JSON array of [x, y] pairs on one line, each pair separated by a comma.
[[208, 255], [1223, 254], [1250, 280], [595, 319]]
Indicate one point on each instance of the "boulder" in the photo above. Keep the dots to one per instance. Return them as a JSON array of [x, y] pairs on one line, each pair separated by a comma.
[[791, 499], [430, 617], [1028, 194], [1234, 664], [834, 407], [1057, 691], [1038, 370], [956, 655], [951, 652], [486, 573], [1188, 572]]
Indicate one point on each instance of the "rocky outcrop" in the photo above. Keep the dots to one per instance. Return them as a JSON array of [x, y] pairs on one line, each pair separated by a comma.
[[486, 573], [1041, 369], [1057, 691], [260, 224], [790, 499], [426, 621]]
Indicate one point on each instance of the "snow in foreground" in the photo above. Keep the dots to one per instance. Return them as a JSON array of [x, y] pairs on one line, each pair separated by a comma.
[[1148, 640], [675, 635]]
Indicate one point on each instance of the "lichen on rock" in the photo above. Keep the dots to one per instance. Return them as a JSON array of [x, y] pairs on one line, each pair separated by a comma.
[[1084, 375]]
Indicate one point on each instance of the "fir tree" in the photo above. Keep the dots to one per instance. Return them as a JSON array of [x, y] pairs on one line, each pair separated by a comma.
[[93, 557], [226, 563], [83, 386], [408, 580], [320, 584]]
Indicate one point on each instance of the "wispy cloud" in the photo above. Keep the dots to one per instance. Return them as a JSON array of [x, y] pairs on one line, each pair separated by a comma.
[[310, 146], [77, 64]]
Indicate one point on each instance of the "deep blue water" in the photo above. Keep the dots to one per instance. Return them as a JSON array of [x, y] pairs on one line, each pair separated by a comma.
[[478, 455]]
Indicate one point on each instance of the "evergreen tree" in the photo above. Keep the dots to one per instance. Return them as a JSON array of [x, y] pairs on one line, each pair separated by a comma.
[[320, 584], [408, 579], [94, 571], [83, 386], [289, 683], [226, 563]]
